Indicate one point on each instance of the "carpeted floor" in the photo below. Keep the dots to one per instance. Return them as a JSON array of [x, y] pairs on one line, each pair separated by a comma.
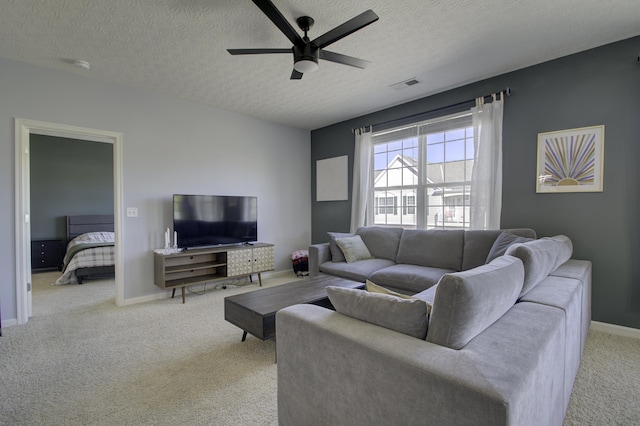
[[82, 360], [607, 389]]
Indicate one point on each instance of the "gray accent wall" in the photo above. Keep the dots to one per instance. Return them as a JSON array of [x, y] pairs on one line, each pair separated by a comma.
[[596, 87], [68, 177]]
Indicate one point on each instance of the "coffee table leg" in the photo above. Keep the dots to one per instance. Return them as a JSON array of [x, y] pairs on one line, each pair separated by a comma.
[[244, 336]]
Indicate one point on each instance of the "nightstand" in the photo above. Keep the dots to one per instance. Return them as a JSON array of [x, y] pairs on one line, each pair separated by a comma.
[[46, 254]]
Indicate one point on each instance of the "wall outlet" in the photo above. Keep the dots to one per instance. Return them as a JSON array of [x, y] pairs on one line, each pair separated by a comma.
[[132, 212]]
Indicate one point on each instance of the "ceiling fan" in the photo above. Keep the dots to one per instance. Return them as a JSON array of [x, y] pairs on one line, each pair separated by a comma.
[[307, 52]]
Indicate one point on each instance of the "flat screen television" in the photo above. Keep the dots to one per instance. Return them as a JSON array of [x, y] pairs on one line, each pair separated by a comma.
[[212, 220]]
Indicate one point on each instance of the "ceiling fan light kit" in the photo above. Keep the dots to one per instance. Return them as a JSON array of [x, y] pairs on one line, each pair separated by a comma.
[[306, 66], [306, 53], [305, 59]]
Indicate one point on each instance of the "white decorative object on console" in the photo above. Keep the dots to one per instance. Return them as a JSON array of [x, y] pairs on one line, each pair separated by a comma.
[[168, 248]]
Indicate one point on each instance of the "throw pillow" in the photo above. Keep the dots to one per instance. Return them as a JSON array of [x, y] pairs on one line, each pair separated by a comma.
[[408, 316], [336, 253], [502, 243], [375, 288], [353, 248]]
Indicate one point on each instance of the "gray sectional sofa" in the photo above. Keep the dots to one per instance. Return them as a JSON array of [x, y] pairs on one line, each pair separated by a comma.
[[502, 344], [410, 261]]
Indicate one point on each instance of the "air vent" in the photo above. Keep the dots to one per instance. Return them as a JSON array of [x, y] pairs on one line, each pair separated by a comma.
[[404, 84]]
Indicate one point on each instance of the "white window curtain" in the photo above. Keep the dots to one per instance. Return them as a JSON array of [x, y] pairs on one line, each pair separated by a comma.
[[486, 179], [362, 165]]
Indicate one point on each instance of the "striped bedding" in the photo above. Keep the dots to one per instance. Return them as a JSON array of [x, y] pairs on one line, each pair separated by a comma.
[[86, 251]]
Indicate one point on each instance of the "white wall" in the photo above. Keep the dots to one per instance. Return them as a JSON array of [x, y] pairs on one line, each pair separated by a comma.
[[169, 146]]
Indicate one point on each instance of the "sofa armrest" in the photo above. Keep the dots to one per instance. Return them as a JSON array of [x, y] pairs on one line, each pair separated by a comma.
[[334, 369], [318, 254]]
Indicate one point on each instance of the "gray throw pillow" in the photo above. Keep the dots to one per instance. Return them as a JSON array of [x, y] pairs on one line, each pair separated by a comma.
[[353, 248], [336, 252], [502, 243], [408, 316]]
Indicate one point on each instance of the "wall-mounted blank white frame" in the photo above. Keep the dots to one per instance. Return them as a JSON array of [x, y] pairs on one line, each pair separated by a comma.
[[331, 179]]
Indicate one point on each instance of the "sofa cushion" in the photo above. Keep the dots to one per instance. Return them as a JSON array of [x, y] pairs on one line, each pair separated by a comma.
[[336, 252], [540, 258], [468, 302], [381, 241], [503, 242], [478, 243], [353, 248], [409, 278], [565, 294], [408, 316], [356, 271], [581, 271], [435, 248]]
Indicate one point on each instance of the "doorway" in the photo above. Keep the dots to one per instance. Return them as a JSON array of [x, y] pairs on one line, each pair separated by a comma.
[[68, 177], [25, 128]]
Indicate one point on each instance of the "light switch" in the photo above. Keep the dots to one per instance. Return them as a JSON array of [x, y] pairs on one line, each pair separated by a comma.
[[132, 212]]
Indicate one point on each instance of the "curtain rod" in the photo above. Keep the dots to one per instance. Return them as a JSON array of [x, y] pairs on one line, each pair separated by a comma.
[[507, 91]]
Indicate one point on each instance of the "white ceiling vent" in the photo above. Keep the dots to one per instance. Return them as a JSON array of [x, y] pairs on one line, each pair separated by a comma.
[[404, 84]]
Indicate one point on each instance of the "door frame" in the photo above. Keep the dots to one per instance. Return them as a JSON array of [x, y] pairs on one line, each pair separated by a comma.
[[23, 129]]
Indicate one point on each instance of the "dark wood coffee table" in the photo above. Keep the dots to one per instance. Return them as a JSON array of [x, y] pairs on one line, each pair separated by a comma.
[[255, 312]]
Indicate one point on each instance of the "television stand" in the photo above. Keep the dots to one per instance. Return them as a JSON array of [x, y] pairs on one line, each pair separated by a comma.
[[199, 266]]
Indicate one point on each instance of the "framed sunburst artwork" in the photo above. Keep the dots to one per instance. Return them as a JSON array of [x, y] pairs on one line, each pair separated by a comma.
[[571, 160]]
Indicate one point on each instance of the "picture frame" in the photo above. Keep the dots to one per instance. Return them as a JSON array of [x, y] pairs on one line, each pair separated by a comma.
[[571, 160]]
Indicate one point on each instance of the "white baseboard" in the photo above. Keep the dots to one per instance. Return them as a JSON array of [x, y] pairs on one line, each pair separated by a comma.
[[9, 322], [616, 329]]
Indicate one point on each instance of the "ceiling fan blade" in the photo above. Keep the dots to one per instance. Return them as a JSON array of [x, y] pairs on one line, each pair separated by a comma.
[[281, 22], [341, 31], [256, 51], [343, 59], [296, 75]]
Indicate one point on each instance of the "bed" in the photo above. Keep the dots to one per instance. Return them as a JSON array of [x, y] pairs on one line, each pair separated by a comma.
[[90, 249]]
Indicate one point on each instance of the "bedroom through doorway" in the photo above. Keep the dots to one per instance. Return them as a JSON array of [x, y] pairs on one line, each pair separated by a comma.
[[25, 130], [68, 178]]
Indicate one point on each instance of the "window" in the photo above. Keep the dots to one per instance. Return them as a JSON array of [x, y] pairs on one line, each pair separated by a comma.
[[426, 167], [409, 204], [386, 205]]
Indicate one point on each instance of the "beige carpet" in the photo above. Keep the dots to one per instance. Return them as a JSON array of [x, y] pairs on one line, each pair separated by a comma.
[[82, 360]]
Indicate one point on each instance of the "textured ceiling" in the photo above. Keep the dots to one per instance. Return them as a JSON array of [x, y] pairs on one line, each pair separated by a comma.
[[178, 47]]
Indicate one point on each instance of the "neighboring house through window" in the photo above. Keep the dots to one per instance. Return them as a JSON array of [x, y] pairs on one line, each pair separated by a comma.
[[422, 174]]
